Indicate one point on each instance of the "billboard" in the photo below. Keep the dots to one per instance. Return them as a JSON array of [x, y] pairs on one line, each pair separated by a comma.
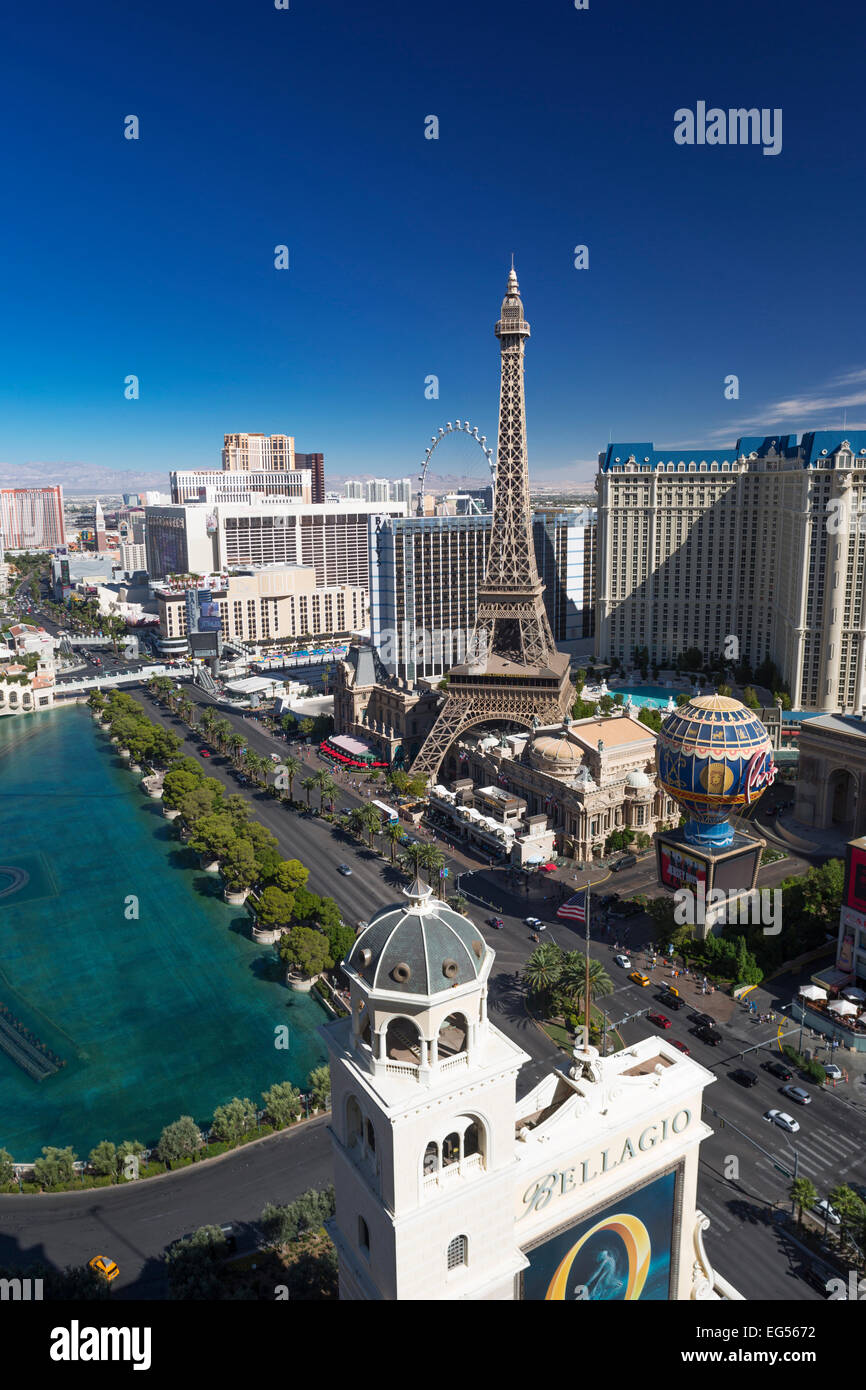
[[209, 619], [855, 876], [620, 1254], [677, 868]]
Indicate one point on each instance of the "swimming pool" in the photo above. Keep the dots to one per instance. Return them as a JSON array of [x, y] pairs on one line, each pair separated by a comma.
[[654, 696]]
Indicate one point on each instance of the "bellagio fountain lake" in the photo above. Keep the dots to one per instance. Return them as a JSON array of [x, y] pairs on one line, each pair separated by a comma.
[[130, 993]]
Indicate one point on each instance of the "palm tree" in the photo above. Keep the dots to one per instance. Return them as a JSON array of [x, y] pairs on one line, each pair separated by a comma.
[[293, 767], [222, 732], [573, 978], [236, 743], [327, 789], [543, 969], [394, 834], [433, 861], [412, 860], [308, 785], [803, 1193]]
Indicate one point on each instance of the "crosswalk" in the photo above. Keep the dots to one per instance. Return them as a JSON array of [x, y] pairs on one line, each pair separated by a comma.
[[824, 1153]]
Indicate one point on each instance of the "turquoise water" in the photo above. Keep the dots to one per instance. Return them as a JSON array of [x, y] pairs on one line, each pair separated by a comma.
[[656, 696], [173, 1013]]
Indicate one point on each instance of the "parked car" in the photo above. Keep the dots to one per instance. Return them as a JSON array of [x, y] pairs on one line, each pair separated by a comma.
[[639, 979], [744, 1077], [784, 1121], [778, 1069], [797, 1093], [534, 922], [101, 1264], [496, 922], [624, 863], [834, 1072], [680, 1046], [705, 1020], [659, 1020], [712, 1036], [671, 1001], [623, 961], [205, 752]]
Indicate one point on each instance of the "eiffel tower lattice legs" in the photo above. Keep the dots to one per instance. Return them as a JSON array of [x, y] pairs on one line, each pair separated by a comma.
[[459, 714]]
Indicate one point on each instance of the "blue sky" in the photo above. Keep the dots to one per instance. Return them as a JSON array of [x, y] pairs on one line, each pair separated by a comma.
[[306, 128]]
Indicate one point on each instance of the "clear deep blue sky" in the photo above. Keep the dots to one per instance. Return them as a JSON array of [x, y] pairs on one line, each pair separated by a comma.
[[306, 127]]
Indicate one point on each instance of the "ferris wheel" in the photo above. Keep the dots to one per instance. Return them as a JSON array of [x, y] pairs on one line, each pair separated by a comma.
[[482, 463]]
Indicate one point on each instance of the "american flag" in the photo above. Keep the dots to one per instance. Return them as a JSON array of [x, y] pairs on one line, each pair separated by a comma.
[[574, 908]]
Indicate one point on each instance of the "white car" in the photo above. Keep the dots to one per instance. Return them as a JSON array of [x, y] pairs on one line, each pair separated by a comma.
[[833, 1071], [778, 1117], [536, 923], [823, 1209], [623, 961]]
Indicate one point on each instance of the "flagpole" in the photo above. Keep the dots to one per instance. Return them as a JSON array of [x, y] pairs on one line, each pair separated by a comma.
[[586, 986]]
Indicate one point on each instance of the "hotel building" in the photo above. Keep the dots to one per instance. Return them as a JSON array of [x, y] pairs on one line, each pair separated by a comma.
[[764, 543], [268, 605], [201, 538], [424, 577], [210, 485], [31, 518], [265, 453]]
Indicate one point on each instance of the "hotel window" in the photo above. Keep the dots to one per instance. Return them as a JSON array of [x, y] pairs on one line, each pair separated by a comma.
[[363, 1235], [457, 1252]]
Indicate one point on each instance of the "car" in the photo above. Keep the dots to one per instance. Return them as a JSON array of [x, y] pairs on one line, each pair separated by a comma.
[[344, 870], [705, 1020], [797, 1093], [778, 1069], [623, 961], [534, 922], [827, 1212], [659, 1020], [833, 1071], [711, 1036], [680, 1046], [784, 1121], [547, 868], [744, 1077], [230, 1235], [639, 979], [672, 1001], [496, 922], [205, 752], [102, 1265]]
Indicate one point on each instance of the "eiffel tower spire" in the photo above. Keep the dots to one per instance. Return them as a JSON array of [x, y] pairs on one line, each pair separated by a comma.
[[514, 671]]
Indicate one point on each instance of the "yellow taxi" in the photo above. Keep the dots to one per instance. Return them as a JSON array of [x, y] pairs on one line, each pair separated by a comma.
[[104, 1266], [638, 978]]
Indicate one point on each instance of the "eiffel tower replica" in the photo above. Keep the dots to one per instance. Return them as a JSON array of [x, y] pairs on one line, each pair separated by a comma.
[[513, 671]]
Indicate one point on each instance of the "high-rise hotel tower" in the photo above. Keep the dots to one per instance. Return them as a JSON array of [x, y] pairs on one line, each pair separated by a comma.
[[764, 543]]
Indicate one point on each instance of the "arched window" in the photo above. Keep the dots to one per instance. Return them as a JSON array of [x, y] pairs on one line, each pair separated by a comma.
[[472, 1140], [450, 1149], [363, 1235], [403, 1041], [452, 1035], [458, 1250], [371, 1136], [431, 1159]]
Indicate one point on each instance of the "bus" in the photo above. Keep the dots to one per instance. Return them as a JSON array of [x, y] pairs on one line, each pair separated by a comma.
[[388, 814]]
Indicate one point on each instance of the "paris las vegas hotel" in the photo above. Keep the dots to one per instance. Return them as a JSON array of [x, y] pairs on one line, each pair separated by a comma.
[[765, 542]]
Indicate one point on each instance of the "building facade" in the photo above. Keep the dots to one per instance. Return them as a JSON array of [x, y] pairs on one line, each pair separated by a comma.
[[424, 579], [757, 552], [210, 485], [382, 710], [449, 1188], [258, 453], [263, 606], [31, 518], [201, 538]]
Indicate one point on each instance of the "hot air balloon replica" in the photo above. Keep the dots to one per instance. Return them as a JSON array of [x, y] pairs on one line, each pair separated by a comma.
[[715, 759]]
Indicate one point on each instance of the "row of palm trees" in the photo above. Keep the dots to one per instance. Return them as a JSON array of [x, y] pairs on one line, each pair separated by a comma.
[[551, 972]]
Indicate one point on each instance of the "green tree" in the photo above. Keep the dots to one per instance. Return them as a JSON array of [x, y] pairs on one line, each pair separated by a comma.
[[103, 1159], [192, 1265], [652, 718], [412, 860], [202, 801], [319, 1082], [341, 939], [433, 862], [309, 785], [750, 699], [282, 1224], [54, 1167], [7, 1168], [804, 1195], [306, 950], [850, 1209], [179, 1139], [275, 908], [725, 690], [306, 727], [394, 833], [572, 979], [238, 866], [291, 768], [214, 836], [231, 1121], [282, 1103], [290, 875]]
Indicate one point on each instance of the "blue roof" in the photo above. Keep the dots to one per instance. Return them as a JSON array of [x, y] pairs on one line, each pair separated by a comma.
[[813, 446]]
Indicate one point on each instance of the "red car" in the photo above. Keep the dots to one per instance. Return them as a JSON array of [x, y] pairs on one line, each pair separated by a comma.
[[547, 868], [681, 1047], [659, 1020], [205, 752]]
